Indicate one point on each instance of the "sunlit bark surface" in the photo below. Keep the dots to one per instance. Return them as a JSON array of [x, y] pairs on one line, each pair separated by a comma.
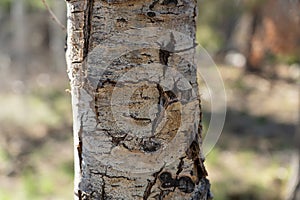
[[136, 108]]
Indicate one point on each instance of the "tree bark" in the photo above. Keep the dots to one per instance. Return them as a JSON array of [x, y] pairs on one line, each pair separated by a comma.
[[295, 179], [136, 107]]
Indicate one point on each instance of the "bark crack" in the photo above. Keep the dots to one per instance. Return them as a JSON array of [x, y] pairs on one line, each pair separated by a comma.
[[164, 56], [87, 27], [77, 11], [165, 99], [79, 145], [110, 176], [166, 50], [167, 2], [79, 151], [160, 113], [78, 194], [103, 195], [117, 140], [77, 62], [193, 153], [145, 120], [202, 190], [179, 167], [186, 49], [153, 4], [150, 184]]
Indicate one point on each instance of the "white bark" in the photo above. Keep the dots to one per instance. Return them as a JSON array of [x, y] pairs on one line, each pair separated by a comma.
[[136, 111]]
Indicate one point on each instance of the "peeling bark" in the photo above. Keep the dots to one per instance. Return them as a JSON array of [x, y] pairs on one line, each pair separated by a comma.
[[136, 110]]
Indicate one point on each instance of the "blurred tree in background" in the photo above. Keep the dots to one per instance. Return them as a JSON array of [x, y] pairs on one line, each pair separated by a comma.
[[31, 40], [35, 114], [267, 30]]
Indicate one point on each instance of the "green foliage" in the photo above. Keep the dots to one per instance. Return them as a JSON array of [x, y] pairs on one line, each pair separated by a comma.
[[245, 175], [215, 22], [209, 38], [283, 58], [67, 168], [30, 4], [251, 5], [4, 4], [36, 4], [30, 184], [289, 59], [5, 195], [50, 108]]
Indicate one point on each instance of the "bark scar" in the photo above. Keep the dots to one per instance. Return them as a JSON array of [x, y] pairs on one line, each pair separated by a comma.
[[184, 183]]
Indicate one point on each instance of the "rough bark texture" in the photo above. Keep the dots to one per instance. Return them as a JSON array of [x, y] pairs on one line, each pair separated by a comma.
[[136, 108]]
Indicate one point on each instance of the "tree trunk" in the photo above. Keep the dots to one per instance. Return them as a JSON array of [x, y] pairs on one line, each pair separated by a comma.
[[136, 107], [296, 192], [19, 41], [295, 179], [56, 34]]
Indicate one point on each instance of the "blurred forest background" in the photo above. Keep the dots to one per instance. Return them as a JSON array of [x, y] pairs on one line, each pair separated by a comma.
[[256, 45]]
